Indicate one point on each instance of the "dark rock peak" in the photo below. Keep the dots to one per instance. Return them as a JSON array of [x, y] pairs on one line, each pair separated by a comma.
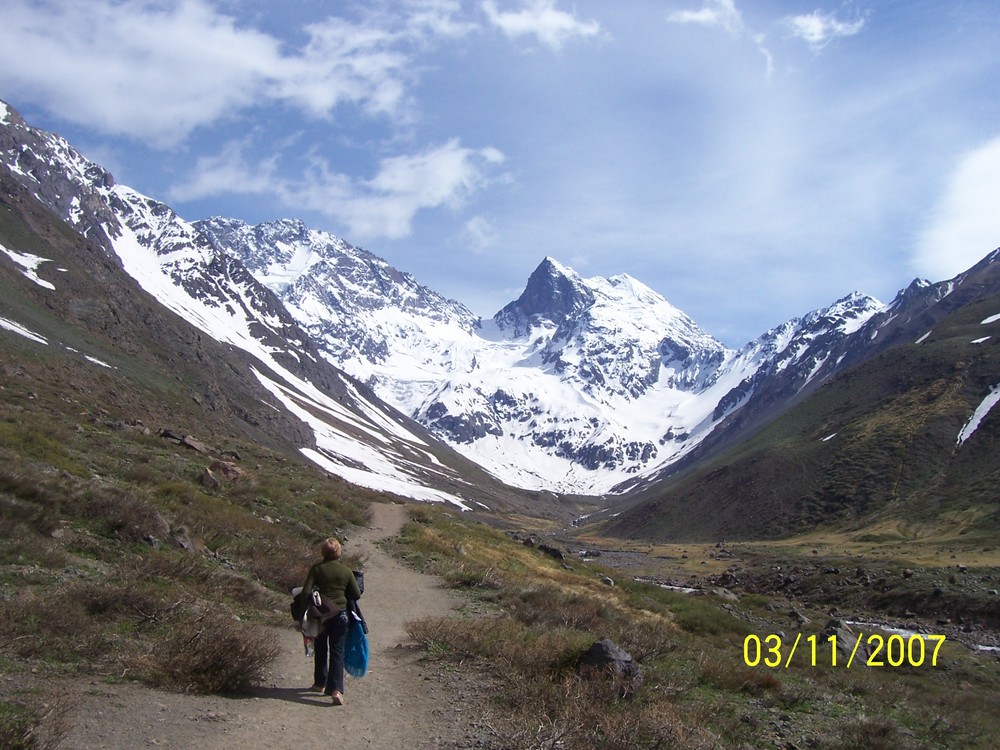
[[553, 293]]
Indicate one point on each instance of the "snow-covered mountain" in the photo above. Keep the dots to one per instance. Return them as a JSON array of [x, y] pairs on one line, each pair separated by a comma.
[[353, 433], [581, 386]]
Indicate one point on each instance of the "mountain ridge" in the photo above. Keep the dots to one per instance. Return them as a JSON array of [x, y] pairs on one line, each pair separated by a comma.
[[584, 386], [330, 418]]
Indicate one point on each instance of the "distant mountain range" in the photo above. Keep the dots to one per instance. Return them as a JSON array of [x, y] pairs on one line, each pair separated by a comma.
[[580, 386]]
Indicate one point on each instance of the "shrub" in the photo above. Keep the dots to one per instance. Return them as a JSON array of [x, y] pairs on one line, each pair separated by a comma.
[[30, 499], [37, 725], [549, 604], [51, 626], [122, 514], [575, 712], [212, 653], [866, 733]]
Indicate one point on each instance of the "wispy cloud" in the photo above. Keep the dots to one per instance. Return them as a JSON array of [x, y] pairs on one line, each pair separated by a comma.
[[383, 206], [480, 233], [540, 19], [724, 14], [965, 225], [718, 13], [818, 29]]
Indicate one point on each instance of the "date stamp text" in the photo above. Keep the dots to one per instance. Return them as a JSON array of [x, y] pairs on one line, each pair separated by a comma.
[[895, 650]]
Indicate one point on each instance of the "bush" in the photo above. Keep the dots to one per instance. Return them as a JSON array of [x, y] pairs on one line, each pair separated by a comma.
[[121, 514], [32, 726], [51, 626], [579, 713], [212, 653]]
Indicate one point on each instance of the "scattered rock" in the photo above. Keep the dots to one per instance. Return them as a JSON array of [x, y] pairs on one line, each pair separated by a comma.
[[608, 658], [209, 480], [228, 470], [194, 444], [800, 618], [551, 551], [845, 640], [726, 594]]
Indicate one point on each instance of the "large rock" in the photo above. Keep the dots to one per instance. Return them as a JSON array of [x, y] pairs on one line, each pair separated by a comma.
[[227, 469], [846, 638], [607, 658]]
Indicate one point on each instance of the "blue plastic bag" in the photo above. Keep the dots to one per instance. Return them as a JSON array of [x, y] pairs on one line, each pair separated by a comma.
[[356, 649]]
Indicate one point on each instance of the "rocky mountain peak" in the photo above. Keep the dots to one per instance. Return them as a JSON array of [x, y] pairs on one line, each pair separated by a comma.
[[554, 293]]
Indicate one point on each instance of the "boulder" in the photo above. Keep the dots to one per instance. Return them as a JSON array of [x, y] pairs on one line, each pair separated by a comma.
[[798, 617], [846, 638], [606, 658], [209, 480], [227, 470], [551, 551], [726, 594], [194, 444]]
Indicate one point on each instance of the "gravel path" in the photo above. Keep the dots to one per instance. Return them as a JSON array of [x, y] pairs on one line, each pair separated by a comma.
[[401, 703]]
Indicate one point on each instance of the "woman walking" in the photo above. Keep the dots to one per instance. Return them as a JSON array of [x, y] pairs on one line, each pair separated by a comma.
[[336, 582]]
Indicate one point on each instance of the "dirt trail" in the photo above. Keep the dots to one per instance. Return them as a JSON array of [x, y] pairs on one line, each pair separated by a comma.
[[400, 703]]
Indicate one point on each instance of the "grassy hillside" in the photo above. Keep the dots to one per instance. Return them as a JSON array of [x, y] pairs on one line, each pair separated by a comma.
[[877, 442], [119, 556], [116, 559], [533, 617]]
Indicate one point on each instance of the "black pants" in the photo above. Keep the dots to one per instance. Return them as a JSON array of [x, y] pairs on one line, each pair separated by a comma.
[[328, 669]]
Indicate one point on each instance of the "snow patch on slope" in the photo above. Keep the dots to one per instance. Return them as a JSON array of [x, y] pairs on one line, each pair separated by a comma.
[[29, 264], [979, 414], [19, 329]]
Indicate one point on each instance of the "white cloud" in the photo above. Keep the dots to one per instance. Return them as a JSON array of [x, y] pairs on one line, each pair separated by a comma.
[[721, 13], [965, 225], [384, 206], [157, 71], [481, 233], [818, 29], [439, 18], [132, 68], [539, 18], [228, 172]]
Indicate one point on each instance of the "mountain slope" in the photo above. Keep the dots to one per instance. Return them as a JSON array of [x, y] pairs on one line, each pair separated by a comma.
[[908, 435], [251, 360], [547, 395], [580, 386]]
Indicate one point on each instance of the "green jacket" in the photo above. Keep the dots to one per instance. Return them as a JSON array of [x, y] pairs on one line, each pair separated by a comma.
[[334, 580]]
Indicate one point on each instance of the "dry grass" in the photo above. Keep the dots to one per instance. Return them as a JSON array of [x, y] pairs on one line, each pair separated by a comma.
[[697, 692], [115, 561], [34, 722]]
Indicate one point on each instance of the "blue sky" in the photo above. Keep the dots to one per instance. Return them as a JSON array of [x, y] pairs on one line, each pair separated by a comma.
[[748, 160]]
